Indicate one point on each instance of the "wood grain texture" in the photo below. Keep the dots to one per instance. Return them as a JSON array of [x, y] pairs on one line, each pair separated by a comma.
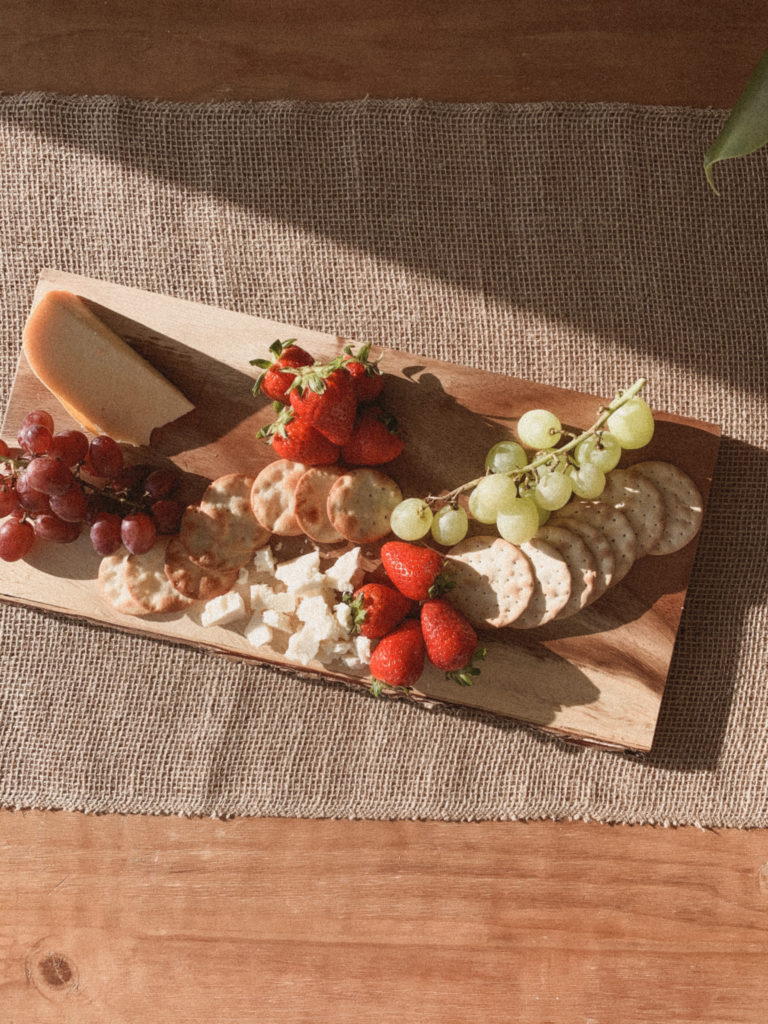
[[598, 676], [488, 50], [138, 919]]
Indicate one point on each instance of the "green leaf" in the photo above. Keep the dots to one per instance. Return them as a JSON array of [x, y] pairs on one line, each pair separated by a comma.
[[746, 130]]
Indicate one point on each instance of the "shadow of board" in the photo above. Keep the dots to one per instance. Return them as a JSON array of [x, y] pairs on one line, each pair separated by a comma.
[[478, 200]]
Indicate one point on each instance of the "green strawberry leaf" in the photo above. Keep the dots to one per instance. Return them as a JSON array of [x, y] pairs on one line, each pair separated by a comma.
[[746, 130], [466, 676]]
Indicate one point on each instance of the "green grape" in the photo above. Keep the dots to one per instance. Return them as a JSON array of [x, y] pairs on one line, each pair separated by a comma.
[[553, 489], [506, 457], [496, 492], [449, 525], [411, 519], [520, 523], [478, 511], [544, 514], [538, 428], [632, 424], [604, 452], [588, 481]]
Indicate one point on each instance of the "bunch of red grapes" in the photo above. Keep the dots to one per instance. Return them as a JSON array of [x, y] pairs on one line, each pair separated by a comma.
[[60, 482]]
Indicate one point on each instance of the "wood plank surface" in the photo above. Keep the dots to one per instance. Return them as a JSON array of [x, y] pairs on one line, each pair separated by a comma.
[[153, 919], [597, 676], [164, 920]]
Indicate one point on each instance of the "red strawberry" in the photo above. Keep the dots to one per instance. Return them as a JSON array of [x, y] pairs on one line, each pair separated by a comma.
[[450, 640], [274, 381], [377, 609], [324, 396], [374, 440], [296, 440], [415, 570], [366, 373], [398, 659]]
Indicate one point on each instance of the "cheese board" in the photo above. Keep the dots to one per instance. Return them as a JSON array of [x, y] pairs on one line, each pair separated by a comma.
[[596, 677]]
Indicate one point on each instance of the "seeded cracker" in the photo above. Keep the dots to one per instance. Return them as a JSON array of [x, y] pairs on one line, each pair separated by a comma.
[[642, 504], [360, 503], [311, 503], [273, 497], [494, 580], [682, 501]]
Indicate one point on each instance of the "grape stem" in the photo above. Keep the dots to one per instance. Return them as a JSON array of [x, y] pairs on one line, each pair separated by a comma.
[[551, 453]]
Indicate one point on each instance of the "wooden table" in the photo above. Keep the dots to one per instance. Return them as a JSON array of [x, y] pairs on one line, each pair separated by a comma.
[[149, 919]]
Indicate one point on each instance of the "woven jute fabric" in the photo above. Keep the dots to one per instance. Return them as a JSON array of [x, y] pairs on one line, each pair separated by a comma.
[[574, 244]]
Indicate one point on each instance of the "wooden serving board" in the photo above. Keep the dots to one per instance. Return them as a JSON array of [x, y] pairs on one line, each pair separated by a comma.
[[597, 677]]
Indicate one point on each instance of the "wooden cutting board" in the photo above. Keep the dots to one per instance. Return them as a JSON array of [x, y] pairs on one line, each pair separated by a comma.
[[597, 677]]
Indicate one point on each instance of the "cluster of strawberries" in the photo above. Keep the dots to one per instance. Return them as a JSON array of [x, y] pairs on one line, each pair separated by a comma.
[[440, 632], [327, 411]]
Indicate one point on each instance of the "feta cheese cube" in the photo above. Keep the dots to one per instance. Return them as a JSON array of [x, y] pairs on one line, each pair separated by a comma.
[[346, 572], [314, 611], [279, 621], [264, 560], [343, 615], [257, 633], [303, 646], [262, 596], [301, 575], [363, 648], [222, 610]]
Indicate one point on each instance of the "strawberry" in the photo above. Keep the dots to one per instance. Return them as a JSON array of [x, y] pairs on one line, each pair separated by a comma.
[[374, 439], [398, 658], [323, 395], [296, 440], [366, 373], [377, 609], [274, 381], [450, 640], [416, 571]]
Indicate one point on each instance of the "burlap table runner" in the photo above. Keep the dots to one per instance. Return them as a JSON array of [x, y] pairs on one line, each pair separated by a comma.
[[573, 244]]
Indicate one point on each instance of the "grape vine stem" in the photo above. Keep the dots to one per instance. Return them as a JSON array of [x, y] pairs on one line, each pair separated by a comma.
[[552, 453]]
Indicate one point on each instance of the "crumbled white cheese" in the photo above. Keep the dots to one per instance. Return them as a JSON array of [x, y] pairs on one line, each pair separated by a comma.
[[343, 614], [257, 633], [346, 572], [363, 648], [222, 610], [279, 621], [316, 613], [263, 596], [303, 646], [264, 561]]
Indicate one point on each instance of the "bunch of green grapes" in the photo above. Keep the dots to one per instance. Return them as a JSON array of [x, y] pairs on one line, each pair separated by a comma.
[[519, 492]]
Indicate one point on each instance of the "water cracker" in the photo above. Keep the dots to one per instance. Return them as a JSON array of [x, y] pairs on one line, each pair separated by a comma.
[[494, 580], [273, 497], [552, 584], [311, 503], [641, 502], [682, 501], [581, 564], [360, 503]]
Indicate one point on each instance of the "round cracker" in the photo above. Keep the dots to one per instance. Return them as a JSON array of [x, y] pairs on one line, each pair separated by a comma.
[[204, 538], [227, 500], [273, 497], [191, 579], [149, 585], [360, 503], [311, 503], [581, 564], [683, 503], [552, 584], [113, 585], [494, 580], [614, 526], [641, 502], [601, 548]]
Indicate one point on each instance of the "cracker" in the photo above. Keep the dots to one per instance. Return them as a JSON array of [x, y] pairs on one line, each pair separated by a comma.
[[204, 538], [113, 585], [551, 584], [494, 580], [273, 497], [614, 526], [360, 503], [683, 503], [581, 564], [191, 579], [600, 547], [149, 585], [227, 500], [641, 502], [311, 503]]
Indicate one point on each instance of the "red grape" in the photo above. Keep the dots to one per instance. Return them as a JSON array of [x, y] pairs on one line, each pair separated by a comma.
[[72, 506], [49, 476], [16, 538], [71, 446], [105, 457], [50, 527], [35, 438], [38, 416], [138, 533], [167, 515], [160, 483], [8, 500], [129, 478], [105, 533], [29, 498]]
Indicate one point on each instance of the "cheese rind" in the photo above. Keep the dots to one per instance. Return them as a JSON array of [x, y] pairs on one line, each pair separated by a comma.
[[99, 379]]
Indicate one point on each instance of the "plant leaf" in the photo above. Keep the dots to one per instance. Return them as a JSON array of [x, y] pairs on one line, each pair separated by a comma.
[[746, 130]]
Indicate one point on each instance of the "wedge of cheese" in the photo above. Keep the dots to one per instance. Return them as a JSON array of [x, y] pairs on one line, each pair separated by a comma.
[[99, 379]]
